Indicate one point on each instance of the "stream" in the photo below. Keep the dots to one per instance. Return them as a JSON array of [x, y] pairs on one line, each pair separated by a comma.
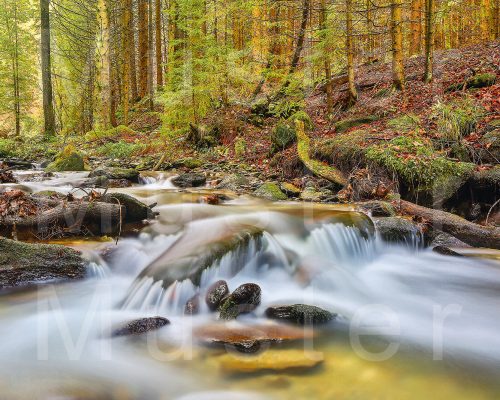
[[411, 323]]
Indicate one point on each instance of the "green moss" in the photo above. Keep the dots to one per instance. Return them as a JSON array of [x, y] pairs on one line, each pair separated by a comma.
[[7, 147], [415, 161], [110, 133], [405, 123], [344, 125], [282, 136], [457, 118], [476, 82], [304, 117], [270, 191], [68, 160], [285, 108], [240, 147]]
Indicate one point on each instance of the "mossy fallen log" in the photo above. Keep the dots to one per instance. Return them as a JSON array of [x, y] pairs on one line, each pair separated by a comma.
[[468, 232], [316, 167]]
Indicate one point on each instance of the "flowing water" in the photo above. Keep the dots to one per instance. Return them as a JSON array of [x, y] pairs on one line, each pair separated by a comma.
[[411, 323]]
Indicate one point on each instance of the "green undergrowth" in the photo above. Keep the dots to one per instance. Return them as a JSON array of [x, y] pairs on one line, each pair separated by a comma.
[[108, 134], [29, 148], [405, 123], [457, 118], [120, 149], [415, 161]]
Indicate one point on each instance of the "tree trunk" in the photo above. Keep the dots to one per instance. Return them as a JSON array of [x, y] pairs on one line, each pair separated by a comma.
[[15, 65], [134, 91], [397, 45], [326, 61], [159, 61], [104, 58], [150, 56], [48, 106], [353, 92], [143, 48], [429, 40], [127, 50], [416, 27]]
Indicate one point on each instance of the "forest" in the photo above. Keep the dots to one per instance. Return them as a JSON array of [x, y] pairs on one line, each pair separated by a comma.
[[249, 199]]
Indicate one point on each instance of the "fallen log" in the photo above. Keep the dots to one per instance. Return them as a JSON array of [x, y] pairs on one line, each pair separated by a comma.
[[468, 232]]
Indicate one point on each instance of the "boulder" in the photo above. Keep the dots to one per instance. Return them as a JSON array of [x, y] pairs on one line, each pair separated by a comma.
[[135, 210], [270, 191], [490, 151], [446, 251], [215, 294], [396, 229], [23, 264], [377, 208], [282, 136], [189, 180], [271, 360], [442, 239], [311, 194], [290, 189], [244, 299], [234, 182], [192, 306], [68, 160], [476, 82], [141, 326], [300, 314], [131, 175]]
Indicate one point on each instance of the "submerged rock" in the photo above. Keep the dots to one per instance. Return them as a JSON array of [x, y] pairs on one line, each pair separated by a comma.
[[234, 182], [244, 299], [189, 180], [270, 191], [23, 264], [215, 294], [300, 314], [271, 360], [141, 326], [250, 339], [446, 251]]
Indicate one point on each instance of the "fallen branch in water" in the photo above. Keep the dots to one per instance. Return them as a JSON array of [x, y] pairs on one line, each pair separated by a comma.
[[468, 232]]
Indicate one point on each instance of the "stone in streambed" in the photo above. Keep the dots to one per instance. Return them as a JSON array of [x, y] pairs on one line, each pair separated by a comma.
[[189, 180], [192, 306], [68, 160], [446, 251], [250, 339], [215, 294], [135, 210], [244, 299], [300, 314], [23, 264], [290, 189], [141, 326], [271, 360], [270, 191], [396, 229], [131, 175]]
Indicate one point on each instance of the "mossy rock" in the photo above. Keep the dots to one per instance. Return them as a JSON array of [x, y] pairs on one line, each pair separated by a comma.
[[476, 82], [270, 191], [397, 230], [68, 160], [290, 189], [23, 264], [234, 182], [116, 173], [135, 210], [282, 136], [347, 124], [189, 163], [311, 194]]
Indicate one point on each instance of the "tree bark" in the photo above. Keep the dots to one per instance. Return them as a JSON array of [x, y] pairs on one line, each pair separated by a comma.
[[397, 45], [143, 48], [429, 40], [105, 64], [468, 232], [48, 106], [134, 91], [416, 27], [326, 61], [150, 56], [127, 50], [159, 58], [353, 92]]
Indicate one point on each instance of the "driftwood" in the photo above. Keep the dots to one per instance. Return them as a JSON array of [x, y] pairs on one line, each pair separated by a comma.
[[468, 232]]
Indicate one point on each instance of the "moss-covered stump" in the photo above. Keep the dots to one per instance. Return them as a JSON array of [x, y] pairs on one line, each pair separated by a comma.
[[131, 175], [23, 264], [270, 191], [476, 82], [68, 160], [347, 124], [316, 167]]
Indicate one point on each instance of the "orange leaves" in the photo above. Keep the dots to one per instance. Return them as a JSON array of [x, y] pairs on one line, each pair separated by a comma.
[[15, 203]]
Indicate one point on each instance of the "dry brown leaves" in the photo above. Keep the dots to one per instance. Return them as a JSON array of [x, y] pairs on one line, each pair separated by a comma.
[[16, 204]]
